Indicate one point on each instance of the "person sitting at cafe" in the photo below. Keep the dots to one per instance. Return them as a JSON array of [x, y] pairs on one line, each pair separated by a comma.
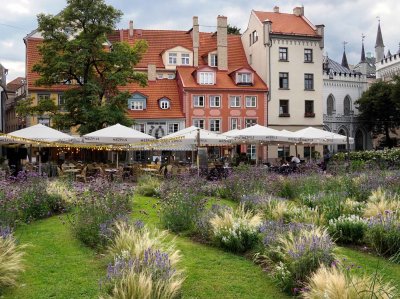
[[295, 160]]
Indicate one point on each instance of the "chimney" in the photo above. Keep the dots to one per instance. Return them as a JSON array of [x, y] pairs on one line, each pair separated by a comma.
[[196, 43], [151, 72], [130, 29], [222, 42], [267, 28], [298, 11], [320, 31], [276, 8]]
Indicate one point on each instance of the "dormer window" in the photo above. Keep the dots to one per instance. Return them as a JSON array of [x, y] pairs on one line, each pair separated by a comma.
[[206, 78], [213, 60], [172, 58], [185, 59], [164, 104], [244, 78], [137, 102]]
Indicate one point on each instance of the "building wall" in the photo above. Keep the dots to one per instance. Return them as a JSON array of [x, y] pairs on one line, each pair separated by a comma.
[[225, 113], [388, 67], [340, 86]]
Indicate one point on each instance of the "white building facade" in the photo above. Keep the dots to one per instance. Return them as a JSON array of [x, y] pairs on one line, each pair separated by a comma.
[[286, 50]]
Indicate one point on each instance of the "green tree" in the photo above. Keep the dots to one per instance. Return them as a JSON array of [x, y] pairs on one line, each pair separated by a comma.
[[76, 51], [233, 30], [379, 108]]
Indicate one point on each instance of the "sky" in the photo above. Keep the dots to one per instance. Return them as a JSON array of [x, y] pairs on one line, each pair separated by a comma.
[[344, 20]]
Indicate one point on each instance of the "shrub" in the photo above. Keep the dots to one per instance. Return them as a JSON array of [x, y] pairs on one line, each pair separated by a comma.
[[11, 259], [383, 234], [181, 209], [236, 230], [25, 198], [148, 185], [379, 202], [300, 254], [348, 229], [144, 266], [332, 283], [98, 206]]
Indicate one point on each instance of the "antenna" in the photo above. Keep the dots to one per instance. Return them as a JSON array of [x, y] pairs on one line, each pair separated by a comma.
[[362, 37], [378, 18]]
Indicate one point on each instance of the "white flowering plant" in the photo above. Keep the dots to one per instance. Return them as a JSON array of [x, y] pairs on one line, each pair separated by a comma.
[[348, 229], [236, 230]]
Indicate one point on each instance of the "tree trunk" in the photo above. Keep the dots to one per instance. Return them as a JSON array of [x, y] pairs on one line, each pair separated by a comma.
[[387, 137]]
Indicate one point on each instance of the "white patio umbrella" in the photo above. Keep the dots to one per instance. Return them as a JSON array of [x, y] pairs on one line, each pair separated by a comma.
[[43, 133], [259, 134], [116, 134], [193, 136], [318, 136]]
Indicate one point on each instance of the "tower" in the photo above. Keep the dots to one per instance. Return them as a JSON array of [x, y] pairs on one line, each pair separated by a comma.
[[379, 46], [344, 58]]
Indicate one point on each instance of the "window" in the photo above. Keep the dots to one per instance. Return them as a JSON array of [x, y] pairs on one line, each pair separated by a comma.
[[250, 122], [171, 76], [185, 59], [137, 102], [251, 101], [254, 36], [309, 81], [206, 78], [215, 101], [284, 80], [61, 103], [308, 55], [160, 76], [283, 54], [213, 60], [199, 123], [172, 58], [42, 97], [141, 128], [252, 151], [215, 125], [244, 78], [44, 121], [137, 105], [308, 150], [164, 104], [251, 59], [284, 108], [172, 128], [234, 123], [309, 109], [329, 105], [284, 151], [198, 101], [235, 101], [347, 106]]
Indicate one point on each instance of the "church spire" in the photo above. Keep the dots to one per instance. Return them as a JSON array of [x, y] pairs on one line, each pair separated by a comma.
[[362, 49], [379, 46], [344, 58]]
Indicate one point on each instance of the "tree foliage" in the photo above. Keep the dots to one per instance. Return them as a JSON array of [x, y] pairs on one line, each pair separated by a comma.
[[76, 51], [233, 30], [379, 108]]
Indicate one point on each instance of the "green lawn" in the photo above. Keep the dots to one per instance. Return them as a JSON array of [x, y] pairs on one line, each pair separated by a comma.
[[58, 266]]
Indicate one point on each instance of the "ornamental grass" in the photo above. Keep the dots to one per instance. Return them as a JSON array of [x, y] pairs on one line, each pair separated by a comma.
[[332, 283]]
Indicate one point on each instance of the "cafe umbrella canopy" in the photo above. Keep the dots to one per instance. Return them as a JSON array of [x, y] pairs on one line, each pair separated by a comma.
[[116, 135], [318, 136], [41, 134]]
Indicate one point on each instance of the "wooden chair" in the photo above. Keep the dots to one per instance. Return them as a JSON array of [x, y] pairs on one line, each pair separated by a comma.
[[82, 176]]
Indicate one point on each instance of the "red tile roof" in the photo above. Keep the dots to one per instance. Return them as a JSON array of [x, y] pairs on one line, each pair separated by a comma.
[[288, 24], [15, 84], [158, 41], [154, 91]]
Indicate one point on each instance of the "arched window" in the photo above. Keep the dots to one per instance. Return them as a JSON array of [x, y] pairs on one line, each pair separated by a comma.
[[164, 103], [342, 147], [347, 106], [330, 102]]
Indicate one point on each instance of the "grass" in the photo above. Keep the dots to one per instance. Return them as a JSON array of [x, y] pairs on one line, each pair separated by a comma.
[[57, 265], [370, 263], [211, 272]]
